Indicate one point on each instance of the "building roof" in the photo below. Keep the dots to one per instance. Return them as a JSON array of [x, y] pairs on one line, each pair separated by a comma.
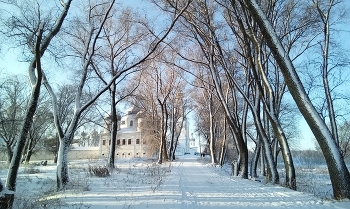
[[132, 110]]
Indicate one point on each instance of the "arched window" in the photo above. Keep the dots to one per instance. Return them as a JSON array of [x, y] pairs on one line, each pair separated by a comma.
[[123, 142], [118, 141], [129, 141], [131, 123], [137, 141]]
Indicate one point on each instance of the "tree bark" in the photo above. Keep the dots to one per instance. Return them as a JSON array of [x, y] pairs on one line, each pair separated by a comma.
[[114, 128], [9, 154], [62, 164], [255, 160], [165, 130], [211, 132], [164, 126], [262, 162], [172, 138], [223, 145], [29, 150]]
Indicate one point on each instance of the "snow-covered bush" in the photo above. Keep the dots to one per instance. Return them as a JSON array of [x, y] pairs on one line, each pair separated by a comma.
[[100, 171]]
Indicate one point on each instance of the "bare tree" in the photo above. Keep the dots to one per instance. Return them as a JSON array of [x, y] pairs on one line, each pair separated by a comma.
[[37, 33], [122, 36], [199, 25], [329, 13], [180, 108], [178, 105], [41, 125], [13, 103], [98, 15], [338, 171], [144, 98]]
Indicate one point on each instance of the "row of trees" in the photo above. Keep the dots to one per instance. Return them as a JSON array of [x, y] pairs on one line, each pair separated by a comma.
[[83, 38], [42, 135], [236, 55], [244, 53]]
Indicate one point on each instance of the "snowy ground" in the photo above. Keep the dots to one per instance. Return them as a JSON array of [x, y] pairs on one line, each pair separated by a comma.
[[186, 183]]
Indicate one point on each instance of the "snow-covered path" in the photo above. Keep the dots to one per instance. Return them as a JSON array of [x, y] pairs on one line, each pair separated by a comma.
[[193, 184]]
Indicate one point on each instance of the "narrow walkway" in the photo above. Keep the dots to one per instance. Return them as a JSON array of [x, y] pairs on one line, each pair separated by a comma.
[[193, 184]]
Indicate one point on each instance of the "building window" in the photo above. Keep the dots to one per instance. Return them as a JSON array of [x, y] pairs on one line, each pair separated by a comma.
[[137, 141], [109, 142], [131, 123], [144, 141], [129, 141], [129, 153], [118, 141], [104, 142], [123, 142]]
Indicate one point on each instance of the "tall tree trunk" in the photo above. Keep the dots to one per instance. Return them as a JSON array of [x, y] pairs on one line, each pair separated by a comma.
[[28, 155], [9, 154], [262, 161], [243, 150], [211, 132], [275, 150], [270, 115], [174, 149], [29, 150], [255, 160], [172, 138], [177, 133], [114, 128], [162, 148], [286, 154], [265, 142], [56, 149], [325, 68], [62, 164], [62, 158], [165, 130], [28, 120], [160, 154], [223, 145], [338, 171]]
